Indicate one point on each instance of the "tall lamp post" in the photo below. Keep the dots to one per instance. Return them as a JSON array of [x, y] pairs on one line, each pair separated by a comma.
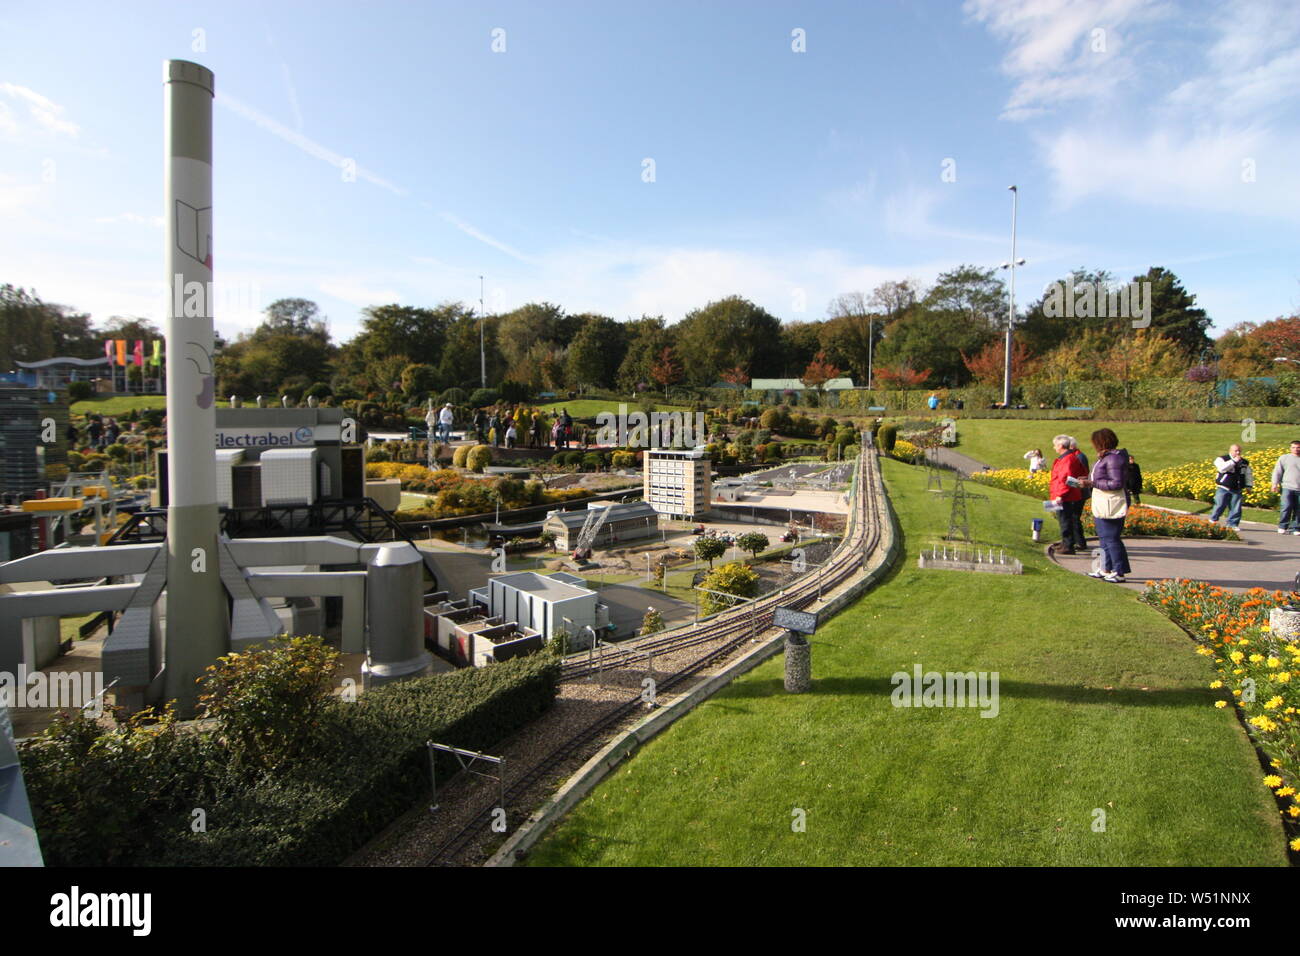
[[1011, 302], [482, 354]]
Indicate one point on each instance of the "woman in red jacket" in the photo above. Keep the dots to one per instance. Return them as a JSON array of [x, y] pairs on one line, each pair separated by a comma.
[[1069, 497]]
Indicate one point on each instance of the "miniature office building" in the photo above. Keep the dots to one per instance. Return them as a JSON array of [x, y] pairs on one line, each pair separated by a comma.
[[676, 482]]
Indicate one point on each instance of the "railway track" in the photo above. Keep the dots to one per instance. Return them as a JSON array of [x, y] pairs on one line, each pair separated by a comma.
[[726, 631]]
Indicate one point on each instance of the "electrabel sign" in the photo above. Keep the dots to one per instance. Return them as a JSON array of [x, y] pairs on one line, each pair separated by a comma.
[[266, 437]]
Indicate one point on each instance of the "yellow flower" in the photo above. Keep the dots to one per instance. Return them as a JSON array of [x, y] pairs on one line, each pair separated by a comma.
[[1272, 781], [1295, 844], [1204, 651], [1220, 703], [1265, 724], [1273, 703], [1274, 662], [1215, 685], [1236, 656], [1286, 791], [1256, 658]]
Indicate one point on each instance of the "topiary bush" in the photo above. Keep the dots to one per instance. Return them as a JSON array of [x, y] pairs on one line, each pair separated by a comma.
[[479, 457], [459, 456], [887, 437]]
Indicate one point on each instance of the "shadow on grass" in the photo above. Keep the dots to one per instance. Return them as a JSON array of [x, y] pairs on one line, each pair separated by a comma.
[[1007, 690]]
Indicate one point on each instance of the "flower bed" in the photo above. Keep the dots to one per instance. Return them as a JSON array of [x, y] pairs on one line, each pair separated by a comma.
[[1258, 672], [1195, 479], [1141, 521]]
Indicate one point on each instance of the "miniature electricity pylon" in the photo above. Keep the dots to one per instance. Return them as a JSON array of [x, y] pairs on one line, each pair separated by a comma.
[[958, 521], [933, 472]]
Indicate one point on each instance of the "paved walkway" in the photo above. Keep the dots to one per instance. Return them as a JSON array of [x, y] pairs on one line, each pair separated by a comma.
[[1263, 558], [959, 462]]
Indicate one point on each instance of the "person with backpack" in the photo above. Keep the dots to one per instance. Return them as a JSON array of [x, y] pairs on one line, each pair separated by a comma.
[[1110, 502], [1067, 494], [1134, 480]]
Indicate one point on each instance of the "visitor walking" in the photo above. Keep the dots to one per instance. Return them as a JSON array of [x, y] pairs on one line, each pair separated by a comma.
[[932, 401], [445, 418], [1109, 504], [1232, 479], [1065, 488], [511, 433], [71, 435], [535, 433], [1036, 461], [1286, 478], [480, 424], [494, 426], [1134, 486]]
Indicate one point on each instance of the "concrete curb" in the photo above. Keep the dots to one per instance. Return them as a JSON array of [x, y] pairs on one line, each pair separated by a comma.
[[626, 744]]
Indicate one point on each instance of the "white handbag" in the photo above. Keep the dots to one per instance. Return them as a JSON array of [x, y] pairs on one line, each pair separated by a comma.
[[1109, 504]]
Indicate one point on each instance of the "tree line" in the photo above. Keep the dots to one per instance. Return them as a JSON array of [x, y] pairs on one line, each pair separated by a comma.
[[900, 334]]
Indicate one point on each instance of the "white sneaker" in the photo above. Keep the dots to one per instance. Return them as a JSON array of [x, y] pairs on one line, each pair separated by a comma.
[[1295, 532], [1097, 574], [1281, 530], [1114, 578]]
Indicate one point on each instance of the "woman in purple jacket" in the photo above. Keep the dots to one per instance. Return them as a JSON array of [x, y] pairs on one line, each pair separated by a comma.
[[1109, 504]]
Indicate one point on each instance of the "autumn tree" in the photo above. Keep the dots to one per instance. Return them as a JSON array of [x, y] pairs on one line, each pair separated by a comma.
[[900, 376], [988, 366], [819, 372], [666, 370]]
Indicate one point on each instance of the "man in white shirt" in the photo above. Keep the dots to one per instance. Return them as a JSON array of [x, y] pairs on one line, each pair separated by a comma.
[[445, 418]]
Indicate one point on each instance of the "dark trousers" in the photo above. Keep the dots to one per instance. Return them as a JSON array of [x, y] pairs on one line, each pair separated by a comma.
[[1114, 554], [1070, 518]]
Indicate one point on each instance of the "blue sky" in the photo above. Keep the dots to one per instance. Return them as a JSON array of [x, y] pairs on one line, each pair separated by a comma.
[[1168, 138]]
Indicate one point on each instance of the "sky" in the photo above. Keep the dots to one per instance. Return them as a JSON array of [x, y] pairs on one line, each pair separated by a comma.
[[635, 159]]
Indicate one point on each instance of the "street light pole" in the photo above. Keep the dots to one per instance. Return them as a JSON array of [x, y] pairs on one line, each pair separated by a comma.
[[482, 354], [1011, 302]]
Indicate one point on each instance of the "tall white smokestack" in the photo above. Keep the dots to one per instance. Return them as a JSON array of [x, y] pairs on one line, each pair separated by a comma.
[[197, 630]]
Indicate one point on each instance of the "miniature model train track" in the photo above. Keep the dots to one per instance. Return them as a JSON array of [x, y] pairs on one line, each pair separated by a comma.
[[717, 638]]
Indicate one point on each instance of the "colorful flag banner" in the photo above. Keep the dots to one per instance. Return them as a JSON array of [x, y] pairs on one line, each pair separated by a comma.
[[108, 350], [121, 351], [157, 352], [138, 354]]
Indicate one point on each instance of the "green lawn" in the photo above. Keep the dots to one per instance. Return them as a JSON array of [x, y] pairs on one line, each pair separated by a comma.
[[1103, 705], [1002, 443], [121, 404]]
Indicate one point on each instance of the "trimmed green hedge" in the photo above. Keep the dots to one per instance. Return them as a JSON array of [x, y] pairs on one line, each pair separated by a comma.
[[366, 765]]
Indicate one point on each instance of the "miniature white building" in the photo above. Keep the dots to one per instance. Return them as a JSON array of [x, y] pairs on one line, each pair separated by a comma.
[[677, 482], [544, 603]]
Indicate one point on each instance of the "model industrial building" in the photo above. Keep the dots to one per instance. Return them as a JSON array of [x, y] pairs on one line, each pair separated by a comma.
[[625, 522], [268, 457], [26, 415], [677, 481], [543, 603]]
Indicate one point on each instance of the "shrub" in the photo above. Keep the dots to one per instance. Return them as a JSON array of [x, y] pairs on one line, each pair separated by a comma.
[[459, 455], [754, 542], [593, 461], [80, 392], [125, 795], [482, 397], [267, 701], [733, 578], [623, 459], [479, 457], [573, 458], [888, 437]]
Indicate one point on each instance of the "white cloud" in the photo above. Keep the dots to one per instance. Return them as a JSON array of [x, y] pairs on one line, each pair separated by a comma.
[[47, 114], [1056, 55], [15, 195], [360, 291]]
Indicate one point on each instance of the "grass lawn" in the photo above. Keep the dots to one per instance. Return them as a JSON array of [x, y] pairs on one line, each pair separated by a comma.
[[591, 407], [1103, 704], [412, 500], [1002, 443], [121, 404]]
